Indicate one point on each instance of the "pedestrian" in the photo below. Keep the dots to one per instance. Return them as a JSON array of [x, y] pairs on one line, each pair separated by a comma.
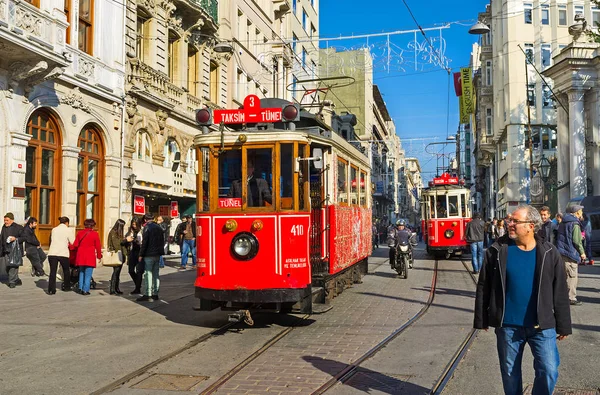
[[153, 241], [547, 230], [474, 234], [375, 238], [500, 229], [11, 233], [522, 292], [486, 233], [165, 228], [586, 226], [60, 238], [116, 243], [492, 231], [33, 248], [133, 242], [186, 237], [569, 243], [89, 252]]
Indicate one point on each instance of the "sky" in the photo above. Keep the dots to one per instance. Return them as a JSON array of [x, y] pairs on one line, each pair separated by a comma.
[[416, 97]]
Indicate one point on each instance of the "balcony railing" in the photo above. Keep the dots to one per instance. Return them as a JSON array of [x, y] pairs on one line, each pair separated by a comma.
[[210, 6]]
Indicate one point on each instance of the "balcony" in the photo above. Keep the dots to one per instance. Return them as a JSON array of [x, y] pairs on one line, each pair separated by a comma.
[[192, 11], [31, 40], [154, 86]]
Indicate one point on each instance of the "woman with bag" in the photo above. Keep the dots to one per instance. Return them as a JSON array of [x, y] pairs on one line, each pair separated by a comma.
[[116, 255], [60, 239], [89, 251], [133, 242], [33, 248]]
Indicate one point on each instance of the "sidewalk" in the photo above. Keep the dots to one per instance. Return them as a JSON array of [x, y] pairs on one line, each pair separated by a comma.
[[479, 372]]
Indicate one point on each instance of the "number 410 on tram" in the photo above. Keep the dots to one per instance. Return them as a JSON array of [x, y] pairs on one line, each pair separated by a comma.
[[445, 210]]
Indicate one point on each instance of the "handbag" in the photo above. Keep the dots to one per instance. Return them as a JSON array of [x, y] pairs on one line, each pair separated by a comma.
[[111, 259], [15, 256]]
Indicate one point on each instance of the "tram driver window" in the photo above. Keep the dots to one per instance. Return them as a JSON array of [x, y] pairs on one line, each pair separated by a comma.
[[286, 177], [230, 169], [440, 207], [259, 179]]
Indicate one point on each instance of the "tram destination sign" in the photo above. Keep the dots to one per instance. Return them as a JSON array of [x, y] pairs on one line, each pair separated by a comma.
[[251, 113], [445, 179]]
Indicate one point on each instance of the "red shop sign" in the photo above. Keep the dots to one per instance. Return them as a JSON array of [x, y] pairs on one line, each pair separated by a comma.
[[139, 205], [174, 210]]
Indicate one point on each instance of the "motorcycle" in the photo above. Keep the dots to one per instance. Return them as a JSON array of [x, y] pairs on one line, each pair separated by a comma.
[[403, 259]]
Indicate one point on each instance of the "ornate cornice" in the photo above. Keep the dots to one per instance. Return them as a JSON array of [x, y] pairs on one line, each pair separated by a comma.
[[75, 99]]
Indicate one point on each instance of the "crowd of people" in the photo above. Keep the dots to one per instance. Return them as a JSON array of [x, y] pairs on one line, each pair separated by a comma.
[[142, 248]]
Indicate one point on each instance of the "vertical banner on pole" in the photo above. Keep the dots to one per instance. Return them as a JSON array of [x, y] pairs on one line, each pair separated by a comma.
[[467, 90]]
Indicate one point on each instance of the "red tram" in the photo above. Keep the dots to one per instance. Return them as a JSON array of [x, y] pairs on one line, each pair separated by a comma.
[[445, 212], [300, 221]]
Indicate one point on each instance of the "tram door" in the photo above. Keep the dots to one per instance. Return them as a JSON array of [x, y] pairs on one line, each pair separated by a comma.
[[317, 212]]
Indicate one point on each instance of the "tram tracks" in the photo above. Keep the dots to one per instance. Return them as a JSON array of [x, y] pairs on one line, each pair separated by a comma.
[[352, 369]]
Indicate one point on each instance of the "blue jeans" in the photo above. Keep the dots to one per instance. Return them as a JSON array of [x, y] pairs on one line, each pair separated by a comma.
[[187, 246], [511, 344], [477, 255], [151, 280], [85, 277]]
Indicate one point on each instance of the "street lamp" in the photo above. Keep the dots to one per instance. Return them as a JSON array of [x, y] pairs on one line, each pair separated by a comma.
[[544, 168], [479, 28]]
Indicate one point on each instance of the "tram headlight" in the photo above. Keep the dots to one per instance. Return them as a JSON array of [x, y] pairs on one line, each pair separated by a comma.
[[449, 233], [244, 246]]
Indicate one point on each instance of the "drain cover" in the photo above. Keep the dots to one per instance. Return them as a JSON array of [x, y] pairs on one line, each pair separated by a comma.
[[565, 391], [366, 380], [170, 382]]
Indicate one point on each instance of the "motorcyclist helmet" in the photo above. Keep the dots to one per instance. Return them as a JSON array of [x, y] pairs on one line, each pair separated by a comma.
[[401, 222]]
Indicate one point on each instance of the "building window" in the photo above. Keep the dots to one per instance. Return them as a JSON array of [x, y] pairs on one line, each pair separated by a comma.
[[488, 72], [143, 147], [67, 9], [214, 82], [43, 172], [545, 14], [529, 53], [548, 138], [547, 97], [562, 15], [294, 41], [86, 23], [531, 95], [578, 10], [90, 176], [173, 56], [528, 12], [35, 3], [170, 150], [304, 20], [546, 58], [294, 6], [192, 70], [304, 58], [488, 122], [191, 161], [142, 36], [595, 17]]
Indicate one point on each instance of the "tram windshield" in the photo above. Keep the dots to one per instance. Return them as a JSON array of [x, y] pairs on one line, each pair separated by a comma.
[[446, 206], [261, 177]]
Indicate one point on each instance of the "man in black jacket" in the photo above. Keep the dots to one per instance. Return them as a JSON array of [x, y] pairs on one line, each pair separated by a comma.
[[11, 233], [522, 292], [153, 241], [547, 231]]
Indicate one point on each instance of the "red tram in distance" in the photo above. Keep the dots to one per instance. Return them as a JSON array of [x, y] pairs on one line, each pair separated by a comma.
[[283, 210], [445, 211]]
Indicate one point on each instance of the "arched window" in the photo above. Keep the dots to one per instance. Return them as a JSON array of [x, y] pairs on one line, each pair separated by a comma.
[[191, 160], [42, 175], [170, 149], [143, 147], [90, 176]]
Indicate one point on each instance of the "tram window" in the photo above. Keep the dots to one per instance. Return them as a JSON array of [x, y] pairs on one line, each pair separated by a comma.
[[342, 182], [440, 207], [259, 181], [431, 206], [205, 171], [363, 189], [303, 177], [286, 177], [354, 185], [453, 205], [230, 169], [463, 205]]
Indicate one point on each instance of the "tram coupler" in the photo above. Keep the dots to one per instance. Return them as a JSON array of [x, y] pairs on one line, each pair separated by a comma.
[[241, 315]]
